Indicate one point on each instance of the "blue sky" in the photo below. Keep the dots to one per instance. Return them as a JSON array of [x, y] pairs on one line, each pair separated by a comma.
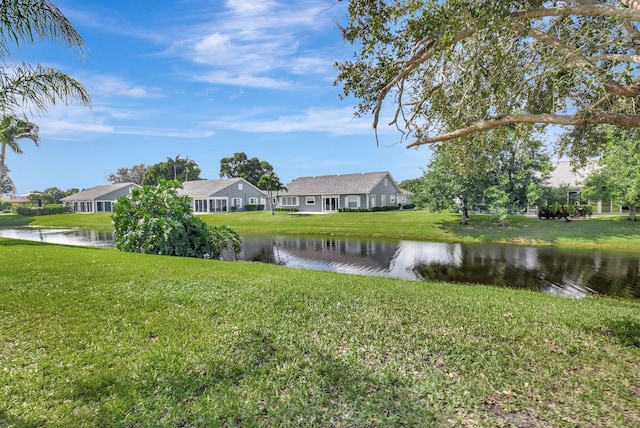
[[204, 79]]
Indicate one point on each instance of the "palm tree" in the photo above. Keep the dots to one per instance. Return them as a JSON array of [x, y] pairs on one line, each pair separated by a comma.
[[13, 129], [21, 84], [271, 183]]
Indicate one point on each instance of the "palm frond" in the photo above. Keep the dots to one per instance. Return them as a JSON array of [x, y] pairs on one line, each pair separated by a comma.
[[25, 21]]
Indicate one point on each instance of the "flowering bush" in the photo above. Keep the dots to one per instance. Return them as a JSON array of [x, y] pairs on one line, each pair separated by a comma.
[[157, 220]]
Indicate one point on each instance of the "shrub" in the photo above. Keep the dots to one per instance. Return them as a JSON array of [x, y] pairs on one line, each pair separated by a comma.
[[5, 206], [157, 220], [30, 210], [251, 207], [291, 210]]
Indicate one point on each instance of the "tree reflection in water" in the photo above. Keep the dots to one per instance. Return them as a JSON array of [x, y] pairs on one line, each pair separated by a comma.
[[568, 272]]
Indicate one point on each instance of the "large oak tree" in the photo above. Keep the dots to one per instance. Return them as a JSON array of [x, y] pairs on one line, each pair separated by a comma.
[[445, 69]]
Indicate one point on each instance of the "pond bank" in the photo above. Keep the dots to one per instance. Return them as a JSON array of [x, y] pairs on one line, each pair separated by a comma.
[[612, 232]]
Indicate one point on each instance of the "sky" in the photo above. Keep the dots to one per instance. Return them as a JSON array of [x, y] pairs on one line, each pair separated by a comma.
[[203, 80]]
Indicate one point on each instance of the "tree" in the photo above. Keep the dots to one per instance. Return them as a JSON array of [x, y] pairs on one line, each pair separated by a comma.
[[6, 184], [239, 165], [135, 174], [177, 169], [51, 195], [459, 68], [157, 220], [501, 172], [271, 183], [619, 175], [13, 129], [24, 85]]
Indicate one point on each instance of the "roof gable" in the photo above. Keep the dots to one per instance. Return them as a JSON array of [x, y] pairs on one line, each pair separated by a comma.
[[206, 188], [337, 184], [96, 192]]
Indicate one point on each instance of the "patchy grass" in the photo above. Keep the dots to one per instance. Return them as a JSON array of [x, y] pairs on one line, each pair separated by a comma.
[[95, 337]]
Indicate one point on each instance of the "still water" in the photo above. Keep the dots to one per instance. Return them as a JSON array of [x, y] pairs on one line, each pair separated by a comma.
[[568, 272]]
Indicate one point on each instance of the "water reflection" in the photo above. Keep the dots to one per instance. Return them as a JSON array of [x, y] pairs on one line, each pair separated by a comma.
[[574, 273], [82, 237]]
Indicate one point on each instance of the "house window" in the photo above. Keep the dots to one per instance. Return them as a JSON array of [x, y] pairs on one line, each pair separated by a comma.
[[373, 201], [392, 199], [383, 200], [353, 201], [236, 203], [289, 201], [253, 201], [103, 206], [107, 206], [239, 186], [310, 200], [217, 205], [386, 182], [99, 207], [200, 205]]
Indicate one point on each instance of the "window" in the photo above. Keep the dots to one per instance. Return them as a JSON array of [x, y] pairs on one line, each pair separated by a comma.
[[310, 200], [103, 206], [386, 182], [239, 186], [200, 205], [289, 201], [236, 203], [392, 199], [217, 205], [253, 201], [353, 201], [383, 200]]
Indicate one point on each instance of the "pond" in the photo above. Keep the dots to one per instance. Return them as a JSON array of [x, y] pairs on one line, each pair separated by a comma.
[[567, 272]]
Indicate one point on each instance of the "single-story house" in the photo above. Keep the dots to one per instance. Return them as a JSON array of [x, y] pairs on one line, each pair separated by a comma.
[[563, 174], [223, 195], [15, 199], [331, 192], [99, 199]]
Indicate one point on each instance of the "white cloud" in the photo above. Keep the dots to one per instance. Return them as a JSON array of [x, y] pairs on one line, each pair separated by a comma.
[[330, 121], [260, 44], [110, 86]]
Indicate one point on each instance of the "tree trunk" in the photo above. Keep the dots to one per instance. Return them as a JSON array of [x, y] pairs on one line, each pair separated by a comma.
[[632, 213], [465, 216]]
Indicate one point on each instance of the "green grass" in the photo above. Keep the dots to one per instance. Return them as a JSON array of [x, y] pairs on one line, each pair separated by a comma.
[[96, 337], [602, 231]]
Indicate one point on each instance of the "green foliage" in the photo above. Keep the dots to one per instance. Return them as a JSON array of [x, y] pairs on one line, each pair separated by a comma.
[[43, 210], [177, 169], [52, 195], [6, 206], [271, 184], [36, 87], [157, 220], [500, 171], [135, 174], [618, 175], [474, 65], [252, 169]]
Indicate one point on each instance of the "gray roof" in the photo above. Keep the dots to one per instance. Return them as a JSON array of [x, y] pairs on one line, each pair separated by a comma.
[[563, 174], [96, 192], [204, 188], [336, 184]]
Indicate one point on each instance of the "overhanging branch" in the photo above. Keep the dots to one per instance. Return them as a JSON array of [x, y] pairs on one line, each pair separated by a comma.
[[602, 118]]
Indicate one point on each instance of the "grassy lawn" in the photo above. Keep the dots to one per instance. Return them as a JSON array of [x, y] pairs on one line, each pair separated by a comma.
[[602, 231], [96, 337]]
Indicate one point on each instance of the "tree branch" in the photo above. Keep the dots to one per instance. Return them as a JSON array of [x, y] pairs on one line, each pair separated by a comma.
[[601, 118]]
